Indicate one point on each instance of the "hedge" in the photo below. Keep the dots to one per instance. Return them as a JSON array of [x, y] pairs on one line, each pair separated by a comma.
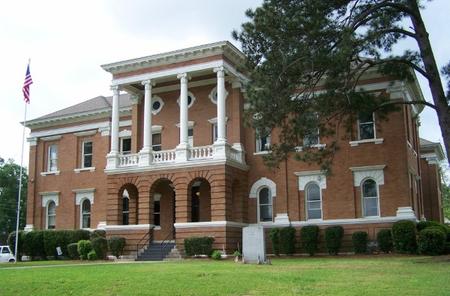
[[384, 239], [432, 241], [34, 244], [274, 235], [359, 240], [287, 240], [198, 245], [116, 245], [333, 239], [20, 245], [92, 255], [100, 246], [97, 233], [72, 250], [309, 237], [404, 235], [425, 224]]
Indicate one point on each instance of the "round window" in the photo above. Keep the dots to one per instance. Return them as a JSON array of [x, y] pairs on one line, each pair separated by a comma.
[[156, 105], [189, 100]]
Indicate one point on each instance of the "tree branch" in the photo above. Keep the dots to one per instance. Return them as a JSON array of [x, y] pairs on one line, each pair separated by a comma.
[[401, 61], [400, 102]]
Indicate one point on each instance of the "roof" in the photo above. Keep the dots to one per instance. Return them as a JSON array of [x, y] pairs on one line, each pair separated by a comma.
[[427, 148], [98, 104]]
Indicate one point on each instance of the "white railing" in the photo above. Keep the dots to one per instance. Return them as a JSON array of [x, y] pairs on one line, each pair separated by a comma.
[[128, 160], [235, 155], [202, 152], [163, 156]]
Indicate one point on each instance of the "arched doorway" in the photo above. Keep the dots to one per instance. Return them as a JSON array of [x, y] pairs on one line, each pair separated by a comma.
[[162, 213], [200, 195]]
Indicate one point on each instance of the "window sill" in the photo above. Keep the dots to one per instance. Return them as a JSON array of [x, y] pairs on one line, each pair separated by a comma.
[[375, 141], [318, 146], [90, 169], [157, 228], [261, 152], [50, 173]]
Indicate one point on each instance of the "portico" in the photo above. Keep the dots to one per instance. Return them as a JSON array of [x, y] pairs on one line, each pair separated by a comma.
[[183, 154]]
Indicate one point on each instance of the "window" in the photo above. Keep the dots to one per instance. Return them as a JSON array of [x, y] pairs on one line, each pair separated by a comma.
[[370, 199], [214, 132], [366, 126], [157, 105], [191, 99], [312, 131], [156, 142], [5, 250], [125, 208], [52, 164], [51, 215], [265, 205], [86, 214], [263, 141], [87, 154], [191, 136], [125, 145], [157, 209], [313, 201]]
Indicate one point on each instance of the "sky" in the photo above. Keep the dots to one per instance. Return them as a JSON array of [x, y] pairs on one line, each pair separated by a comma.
[[67, 41]]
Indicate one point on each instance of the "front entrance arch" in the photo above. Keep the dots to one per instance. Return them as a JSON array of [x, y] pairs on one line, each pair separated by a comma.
[[162, 213], [199, 191]]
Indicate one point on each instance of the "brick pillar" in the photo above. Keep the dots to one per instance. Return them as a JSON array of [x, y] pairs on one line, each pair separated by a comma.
[[220, 192], [182, 202], [113, 205], [145, 205]]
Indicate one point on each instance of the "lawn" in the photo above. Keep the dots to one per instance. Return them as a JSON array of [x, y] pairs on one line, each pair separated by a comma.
[[383, 275]]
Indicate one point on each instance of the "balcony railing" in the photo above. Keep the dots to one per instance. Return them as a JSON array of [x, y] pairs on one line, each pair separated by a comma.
[[168, 158]]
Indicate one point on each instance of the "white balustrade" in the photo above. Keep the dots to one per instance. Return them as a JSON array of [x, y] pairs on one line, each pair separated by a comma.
[[235, 155], [164, 156], [202, 152], [126, 160]]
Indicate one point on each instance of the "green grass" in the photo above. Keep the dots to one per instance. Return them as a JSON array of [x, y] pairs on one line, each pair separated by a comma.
[[301, 276]]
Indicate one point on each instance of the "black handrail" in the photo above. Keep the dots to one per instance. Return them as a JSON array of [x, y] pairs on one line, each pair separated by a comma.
[[164, 243], [148, 237]]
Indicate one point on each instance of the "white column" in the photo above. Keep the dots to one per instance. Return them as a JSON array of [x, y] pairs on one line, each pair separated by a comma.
[[145, 155], [182, 148], [221, 106], [147, 116], [112, 157]]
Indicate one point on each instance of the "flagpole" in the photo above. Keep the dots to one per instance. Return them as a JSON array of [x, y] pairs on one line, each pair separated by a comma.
[[20, 179]]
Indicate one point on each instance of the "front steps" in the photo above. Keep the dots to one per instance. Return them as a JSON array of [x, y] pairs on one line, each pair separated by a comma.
[[154, 252]]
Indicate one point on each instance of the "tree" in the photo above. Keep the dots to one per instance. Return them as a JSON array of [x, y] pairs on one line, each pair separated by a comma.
[[9, 188], [306, 58], [446, 200]]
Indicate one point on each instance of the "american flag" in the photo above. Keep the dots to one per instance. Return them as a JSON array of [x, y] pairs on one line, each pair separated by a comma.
[[26, 85]]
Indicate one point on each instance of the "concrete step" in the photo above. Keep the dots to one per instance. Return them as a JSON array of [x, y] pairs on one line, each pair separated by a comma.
[[154, 252]]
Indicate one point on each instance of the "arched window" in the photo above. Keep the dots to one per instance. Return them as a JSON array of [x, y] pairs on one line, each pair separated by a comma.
[[86, 214], [51, 215], [125, 208], [265, 205], [313, 201], [370, 201]]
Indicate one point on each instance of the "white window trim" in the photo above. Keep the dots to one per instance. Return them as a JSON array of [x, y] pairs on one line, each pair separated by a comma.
[[121, 143], [49, 158], [83, 154], [306, 201], [153, 144], [47, 198], [261, 183], [318, 146], [190, 124], [81, 212], [258, 211], [192, 101], [81, 194], [363, 198], [214, 91], [47, 214], [79, 170], [375, 141], [125, 134], [161, 101], [258, 143], [306, 177], [43, 174], [376, 172]]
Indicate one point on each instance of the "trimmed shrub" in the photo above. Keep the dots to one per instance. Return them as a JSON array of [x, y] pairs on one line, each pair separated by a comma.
[[333, 239], [384, 239], [309, 237], [425, 224], [34, 244], [431, 241], [20, 243], [72, 251], [216, 255], [404, 235], [359, 239], [98, 233], [116, 245], [287, 240], [274, 235], [79, 234], [100, 246], [92, 255], [198, 246], [84, 247]]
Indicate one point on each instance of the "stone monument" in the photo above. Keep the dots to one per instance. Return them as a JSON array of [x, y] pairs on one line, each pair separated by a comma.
[[253, 244]]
